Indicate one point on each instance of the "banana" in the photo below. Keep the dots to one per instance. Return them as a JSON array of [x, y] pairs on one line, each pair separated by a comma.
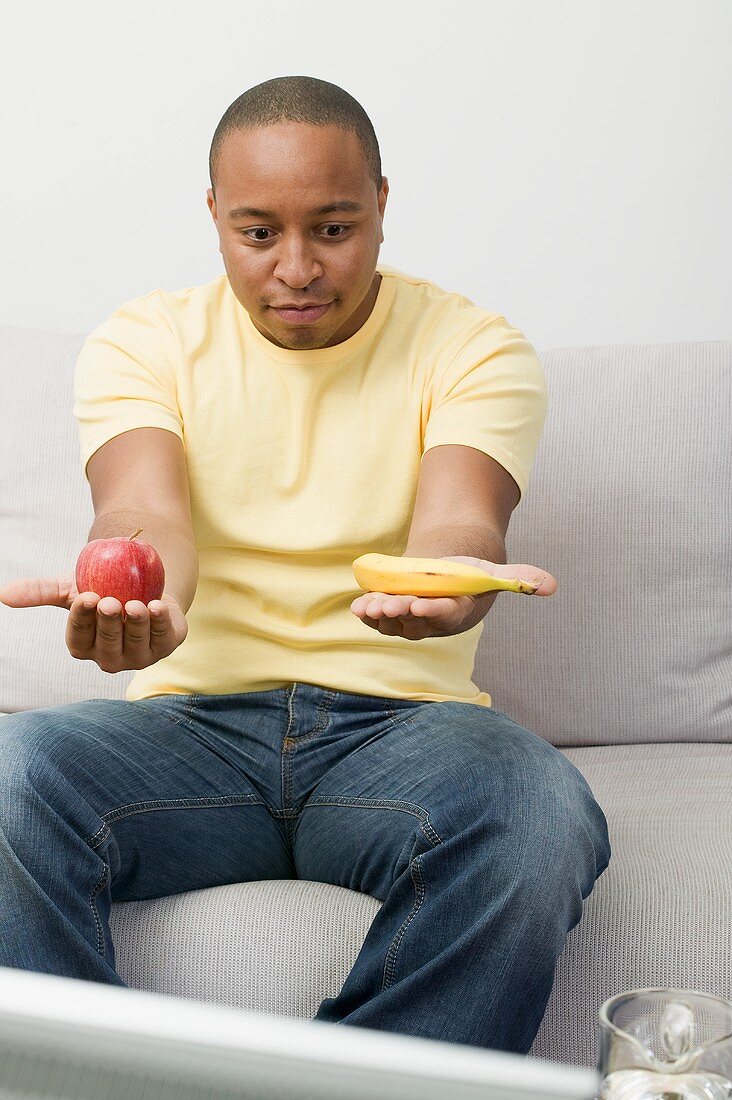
[[403, 576]]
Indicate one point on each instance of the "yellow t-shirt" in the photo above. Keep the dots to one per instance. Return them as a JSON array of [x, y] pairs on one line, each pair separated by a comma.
[[300, 461]]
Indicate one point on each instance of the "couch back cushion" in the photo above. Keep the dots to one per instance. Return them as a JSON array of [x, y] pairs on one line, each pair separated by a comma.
[[628, 507], [46, 512]]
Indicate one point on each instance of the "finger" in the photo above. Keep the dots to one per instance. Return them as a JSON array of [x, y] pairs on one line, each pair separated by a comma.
[[547, 585], [34, 592], [375, 608], [390, 607], [436, 607], [110, 630], [160, 627], [544, 583], [361, 604], [136, 631], [370, 609], [380, 609], [393, 628], [81, 628], [399, 607], [83, 611], [404, 627], [147, 630]]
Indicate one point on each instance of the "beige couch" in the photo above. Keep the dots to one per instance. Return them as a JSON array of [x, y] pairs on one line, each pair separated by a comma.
[[627, 669]]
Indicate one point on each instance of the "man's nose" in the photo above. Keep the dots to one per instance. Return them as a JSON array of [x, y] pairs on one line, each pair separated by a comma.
[[297, 264]]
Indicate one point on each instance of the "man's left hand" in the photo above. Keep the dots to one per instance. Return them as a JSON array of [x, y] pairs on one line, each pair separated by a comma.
[[418, 617]]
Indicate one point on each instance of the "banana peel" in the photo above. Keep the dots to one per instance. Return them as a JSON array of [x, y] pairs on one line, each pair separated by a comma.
[[406, 576]]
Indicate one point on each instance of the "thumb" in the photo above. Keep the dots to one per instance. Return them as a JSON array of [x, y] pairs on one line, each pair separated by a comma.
[[37, 592], [532, 574]]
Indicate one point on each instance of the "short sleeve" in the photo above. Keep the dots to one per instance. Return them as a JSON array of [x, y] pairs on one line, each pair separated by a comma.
[[492, 396], [125, 377]]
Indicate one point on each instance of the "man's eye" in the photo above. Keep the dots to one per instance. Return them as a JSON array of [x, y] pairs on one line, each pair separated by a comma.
[[248, 231], [260, 229], [331, 236]]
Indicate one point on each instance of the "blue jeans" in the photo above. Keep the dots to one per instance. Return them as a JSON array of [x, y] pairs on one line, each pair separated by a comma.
[[480, 838]]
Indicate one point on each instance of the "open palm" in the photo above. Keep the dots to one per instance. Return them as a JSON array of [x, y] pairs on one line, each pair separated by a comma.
[[100, 629], [416, 617]]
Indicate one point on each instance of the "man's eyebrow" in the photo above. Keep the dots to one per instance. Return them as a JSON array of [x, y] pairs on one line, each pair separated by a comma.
[[346, 205]]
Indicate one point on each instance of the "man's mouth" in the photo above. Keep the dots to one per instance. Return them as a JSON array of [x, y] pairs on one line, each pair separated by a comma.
[[301, 315]]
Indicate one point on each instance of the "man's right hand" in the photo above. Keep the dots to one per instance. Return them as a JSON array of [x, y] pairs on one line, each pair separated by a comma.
[[118, 639]]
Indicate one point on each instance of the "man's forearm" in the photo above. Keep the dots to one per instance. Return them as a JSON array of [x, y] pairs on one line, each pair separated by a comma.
[[463, 542], [171, 540]]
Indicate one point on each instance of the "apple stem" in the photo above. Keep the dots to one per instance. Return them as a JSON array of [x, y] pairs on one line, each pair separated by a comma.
[[137, 532]]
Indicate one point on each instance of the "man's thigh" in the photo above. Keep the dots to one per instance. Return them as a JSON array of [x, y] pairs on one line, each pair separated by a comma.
[[147, 787], [443, 768]]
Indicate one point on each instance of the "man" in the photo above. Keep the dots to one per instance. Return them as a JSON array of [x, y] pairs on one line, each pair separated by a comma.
[[264, 430]]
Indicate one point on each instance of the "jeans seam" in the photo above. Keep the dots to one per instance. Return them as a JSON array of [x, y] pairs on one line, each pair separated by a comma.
[[419, 896], [201, 803], [322, 720], [286, 760], [101, 946], [425, 825], [323, 715]]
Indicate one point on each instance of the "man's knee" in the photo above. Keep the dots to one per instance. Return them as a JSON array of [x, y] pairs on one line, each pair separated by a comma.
[[34, 747], [528, 805], [20, 748], [563, 817]]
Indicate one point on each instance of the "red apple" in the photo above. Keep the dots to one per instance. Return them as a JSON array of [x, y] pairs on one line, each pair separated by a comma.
[[121, 567]]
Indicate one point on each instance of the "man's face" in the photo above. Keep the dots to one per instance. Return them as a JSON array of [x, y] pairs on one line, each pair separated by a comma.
[[293, 255]]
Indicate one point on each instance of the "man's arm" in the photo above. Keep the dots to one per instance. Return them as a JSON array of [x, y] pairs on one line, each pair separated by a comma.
[[462, 510], [139, 479], [472, 545], [463, 505], [170, 537]]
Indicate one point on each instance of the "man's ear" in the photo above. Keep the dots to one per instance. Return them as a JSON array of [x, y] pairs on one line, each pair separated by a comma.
[[211, 203], [383, 195]]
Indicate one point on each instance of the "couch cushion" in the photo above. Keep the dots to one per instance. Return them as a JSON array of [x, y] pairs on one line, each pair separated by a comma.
[[661, 913], [628, 506], [274, 946]]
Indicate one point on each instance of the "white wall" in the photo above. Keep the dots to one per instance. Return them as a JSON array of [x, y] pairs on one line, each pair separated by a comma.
[[564, 162]]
